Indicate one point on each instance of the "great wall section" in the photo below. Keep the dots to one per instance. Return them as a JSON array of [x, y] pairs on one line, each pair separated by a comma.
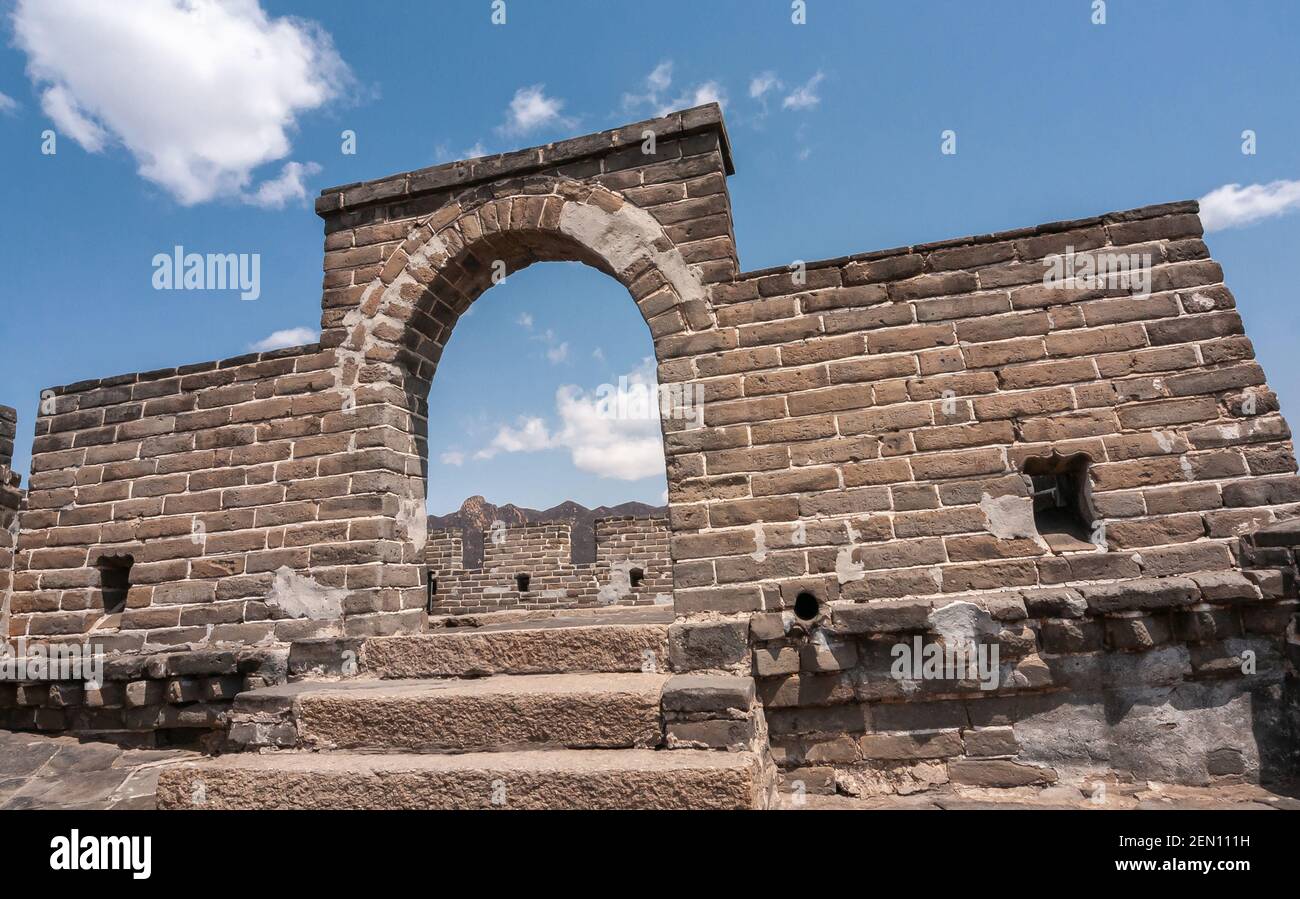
[[928, 447]]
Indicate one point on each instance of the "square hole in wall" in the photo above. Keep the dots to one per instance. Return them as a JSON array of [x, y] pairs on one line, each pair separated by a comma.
[[114, 581], [1062, 493]]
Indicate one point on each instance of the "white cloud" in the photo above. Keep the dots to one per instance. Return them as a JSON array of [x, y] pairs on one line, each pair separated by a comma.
[[200, 92], [657, 84], [278, 340], [661, 77], [600, 442], [658, 81], [708, 92], [1234, 206], [760, 85], [804, 96], [274, 194], [525, 320], [531, 110], [452, 457], [58, 103], [558, 353], [7, 104], [531, 436], [598, 354]]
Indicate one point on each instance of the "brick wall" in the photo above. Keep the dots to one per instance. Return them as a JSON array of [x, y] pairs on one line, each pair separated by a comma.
[[213, 478], [543, 552], [890, 402], [11, 496], [867, 419]]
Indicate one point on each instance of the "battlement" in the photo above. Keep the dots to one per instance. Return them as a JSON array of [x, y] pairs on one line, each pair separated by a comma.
[[531, 566]]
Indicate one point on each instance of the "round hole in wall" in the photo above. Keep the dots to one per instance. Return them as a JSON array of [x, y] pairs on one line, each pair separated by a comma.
[[806, 607]]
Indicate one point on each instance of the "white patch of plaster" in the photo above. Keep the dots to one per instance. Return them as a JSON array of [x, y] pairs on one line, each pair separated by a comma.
[[299, 596], [961, 623], [619, 586], [846, 569], [1198, 302], [760, 544], [626, 236], [413, 522], [1186, 466], [1009, 517], [1165, 441]]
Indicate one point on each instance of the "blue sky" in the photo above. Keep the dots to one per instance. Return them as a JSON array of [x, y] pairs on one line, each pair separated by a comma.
[[165, 136]]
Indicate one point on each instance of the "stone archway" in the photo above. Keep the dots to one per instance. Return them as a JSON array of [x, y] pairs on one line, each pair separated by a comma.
[[388, 345]]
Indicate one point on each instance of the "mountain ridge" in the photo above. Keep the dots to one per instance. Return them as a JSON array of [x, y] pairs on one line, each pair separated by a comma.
[[476, 515]]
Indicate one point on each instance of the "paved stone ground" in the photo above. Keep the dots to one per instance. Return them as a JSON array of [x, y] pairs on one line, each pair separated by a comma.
[[60, 772], [39, 771], [1147, 795]]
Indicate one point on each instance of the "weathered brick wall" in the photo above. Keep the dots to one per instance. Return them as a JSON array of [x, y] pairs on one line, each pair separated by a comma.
[[8, 431], [525, 547], [444, 549], [867, 421], [543, 552], [828, 406], [11, 496], [212, 478]]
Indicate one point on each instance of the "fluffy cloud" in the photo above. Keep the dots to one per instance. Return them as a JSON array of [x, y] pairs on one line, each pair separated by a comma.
[[200, 92], [1234, 206], [288, 188], [531, 436], [598, 440], [278, 340], [7, 104], [531, 110], [452, 457]]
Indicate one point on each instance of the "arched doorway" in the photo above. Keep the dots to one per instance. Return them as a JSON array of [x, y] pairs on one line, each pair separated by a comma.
[[389, 345]]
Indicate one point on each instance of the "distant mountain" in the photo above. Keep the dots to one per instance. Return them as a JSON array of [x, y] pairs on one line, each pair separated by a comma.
[[476, 515]]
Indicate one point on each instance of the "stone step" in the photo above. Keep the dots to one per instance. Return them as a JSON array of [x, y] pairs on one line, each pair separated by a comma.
[[520, 648], [555, 779], [456, 715]]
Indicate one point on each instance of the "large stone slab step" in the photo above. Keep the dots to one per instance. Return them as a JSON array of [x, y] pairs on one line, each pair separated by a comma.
[[556, 779], [607, 710], [522, 648]]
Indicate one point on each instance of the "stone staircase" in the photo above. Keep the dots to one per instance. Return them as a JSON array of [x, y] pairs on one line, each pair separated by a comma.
[[552, 713]]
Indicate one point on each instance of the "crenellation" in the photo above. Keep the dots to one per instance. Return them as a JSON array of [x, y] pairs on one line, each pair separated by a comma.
[[632, 567]]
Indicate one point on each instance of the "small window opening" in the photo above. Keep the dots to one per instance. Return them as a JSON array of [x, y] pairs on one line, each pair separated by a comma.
[[806, 607], [115, 581], [521, 581], [433, 591], [1062, 495], [636, 576]]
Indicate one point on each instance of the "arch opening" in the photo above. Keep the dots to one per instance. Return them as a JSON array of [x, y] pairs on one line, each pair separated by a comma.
[[396, 337]]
